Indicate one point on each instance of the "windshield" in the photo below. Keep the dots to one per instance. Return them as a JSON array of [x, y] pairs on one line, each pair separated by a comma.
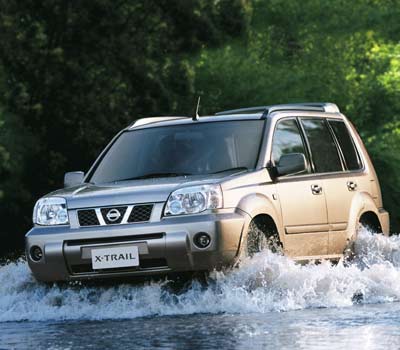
[[187, 149]]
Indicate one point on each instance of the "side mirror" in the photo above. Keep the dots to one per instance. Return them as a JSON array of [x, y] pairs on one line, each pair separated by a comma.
[[291, 163], [73, 178]]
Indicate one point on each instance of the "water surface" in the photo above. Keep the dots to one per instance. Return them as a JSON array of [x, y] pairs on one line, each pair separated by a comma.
[[269, 302]]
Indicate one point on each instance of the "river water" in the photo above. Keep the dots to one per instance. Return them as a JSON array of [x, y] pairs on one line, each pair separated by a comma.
[[269, 302]]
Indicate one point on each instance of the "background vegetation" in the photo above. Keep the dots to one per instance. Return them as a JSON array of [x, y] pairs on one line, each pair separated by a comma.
[[74, 73]]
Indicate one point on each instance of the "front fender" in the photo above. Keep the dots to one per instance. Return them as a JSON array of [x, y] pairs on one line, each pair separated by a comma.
[[256, 204]]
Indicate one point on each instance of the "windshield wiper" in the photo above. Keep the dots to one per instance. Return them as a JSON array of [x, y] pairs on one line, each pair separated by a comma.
[[232, 169], [153, 176]]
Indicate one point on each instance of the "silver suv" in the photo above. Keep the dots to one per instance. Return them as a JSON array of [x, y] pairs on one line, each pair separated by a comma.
[[174, 194]]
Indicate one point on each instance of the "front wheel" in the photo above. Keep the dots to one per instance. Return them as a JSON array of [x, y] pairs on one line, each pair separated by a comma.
[[261, 237]]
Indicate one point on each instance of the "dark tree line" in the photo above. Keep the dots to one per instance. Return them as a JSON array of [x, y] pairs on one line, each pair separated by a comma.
[[73, 73]]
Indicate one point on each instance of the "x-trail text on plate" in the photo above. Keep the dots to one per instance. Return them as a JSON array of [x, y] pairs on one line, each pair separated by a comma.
[[175, 194]]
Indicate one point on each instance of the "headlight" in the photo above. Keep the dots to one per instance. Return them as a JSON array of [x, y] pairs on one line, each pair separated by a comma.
[[51, 211], [193, 200]]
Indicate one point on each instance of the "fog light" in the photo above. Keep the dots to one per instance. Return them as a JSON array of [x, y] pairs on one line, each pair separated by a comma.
[[202, 240], [36, 253]]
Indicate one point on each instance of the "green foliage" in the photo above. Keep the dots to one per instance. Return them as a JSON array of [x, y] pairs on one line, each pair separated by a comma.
[[75, 72], [317, 50], [78, 71], [4, 156]]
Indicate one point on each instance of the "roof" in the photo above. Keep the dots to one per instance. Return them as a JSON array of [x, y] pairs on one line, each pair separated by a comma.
[[169, 121], [250, 113], [307, 106]]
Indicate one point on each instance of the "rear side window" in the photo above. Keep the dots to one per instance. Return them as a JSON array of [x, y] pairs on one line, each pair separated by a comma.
[[346, 144], [323, 148], [287, 139]]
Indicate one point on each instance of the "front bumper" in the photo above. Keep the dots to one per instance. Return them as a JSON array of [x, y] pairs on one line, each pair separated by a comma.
[[164, 246]]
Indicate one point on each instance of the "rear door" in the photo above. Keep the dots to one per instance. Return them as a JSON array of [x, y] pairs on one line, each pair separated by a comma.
[[341, 189], [335, 159], [301, 196]]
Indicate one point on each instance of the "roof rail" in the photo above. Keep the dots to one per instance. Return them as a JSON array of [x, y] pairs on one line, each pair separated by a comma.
[[152, 120], [307, 106], [244, 110], [266, 110]]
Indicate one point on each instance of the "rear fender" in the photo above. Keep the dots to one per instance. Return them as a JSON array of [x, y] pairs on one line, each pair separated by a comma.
[[362, 203]]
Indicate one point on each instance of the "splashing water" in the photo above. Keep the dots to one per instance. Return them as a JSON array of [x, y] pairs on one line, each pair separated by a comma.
[[267, 282]]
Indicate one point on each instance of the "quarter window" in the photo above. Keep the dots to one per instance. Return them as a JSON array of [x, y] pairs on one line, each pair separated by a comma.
[[323, 148], [346, 144], [287, 139]]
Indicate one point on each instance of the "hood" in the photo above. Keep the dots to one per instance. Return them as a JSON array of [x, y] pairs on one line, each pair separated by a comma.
[[130, 192]]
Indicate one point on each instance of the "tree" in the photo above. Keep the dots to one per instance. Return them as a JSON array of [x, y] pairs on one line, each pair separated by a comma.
[[315, 50], [77, 72]]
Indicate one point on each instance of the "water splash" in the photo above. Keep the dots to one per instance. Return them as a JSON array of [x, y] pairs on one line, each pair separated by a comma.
[[268, 282]]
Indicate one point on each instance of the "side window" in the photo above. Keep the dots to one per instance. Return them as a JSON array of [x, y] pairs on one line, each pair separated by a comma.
[[323, 148], [287, 139], [346, 144]]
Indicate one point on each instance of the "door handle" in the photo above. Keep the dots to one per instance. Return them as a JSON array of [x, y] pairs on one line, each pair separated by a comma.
[[316, 189], [351, 185]]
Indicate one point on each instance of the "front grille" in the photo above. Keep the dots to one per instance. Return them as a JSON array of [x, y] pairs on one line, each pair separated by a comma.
[[88, 217], [115, 215], [141, 213], [106, 211]]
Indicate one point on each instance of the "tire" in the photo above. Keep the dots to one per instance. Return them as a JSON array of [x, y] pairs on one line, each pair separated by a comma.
[[370, 222], [350, 254], [261, 237], [369, 227]]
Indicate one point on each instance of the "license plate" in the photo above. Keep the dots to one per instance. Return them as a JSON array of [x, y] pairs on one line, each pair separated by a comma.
[[111, 258]]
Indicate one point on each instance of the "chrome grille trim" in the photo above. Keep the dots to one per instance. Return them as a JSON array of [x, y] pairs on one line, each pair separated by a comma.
[[99, 217], [126, 215]]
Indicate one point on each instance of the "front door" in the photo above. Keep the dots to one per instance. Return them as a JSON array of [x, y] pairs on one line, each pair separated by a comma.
[[301, 196]]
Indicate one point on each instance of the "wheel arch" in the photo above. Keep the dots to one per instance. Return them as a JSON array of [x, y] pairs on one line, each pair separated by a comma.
[[371, 220], [363, 208], [267, 220], [260, 207]]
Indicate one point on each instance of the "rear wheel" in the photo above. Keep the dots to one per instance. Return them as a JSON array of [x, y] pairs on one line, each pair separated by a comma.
[[262, 236], [369, 222]]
